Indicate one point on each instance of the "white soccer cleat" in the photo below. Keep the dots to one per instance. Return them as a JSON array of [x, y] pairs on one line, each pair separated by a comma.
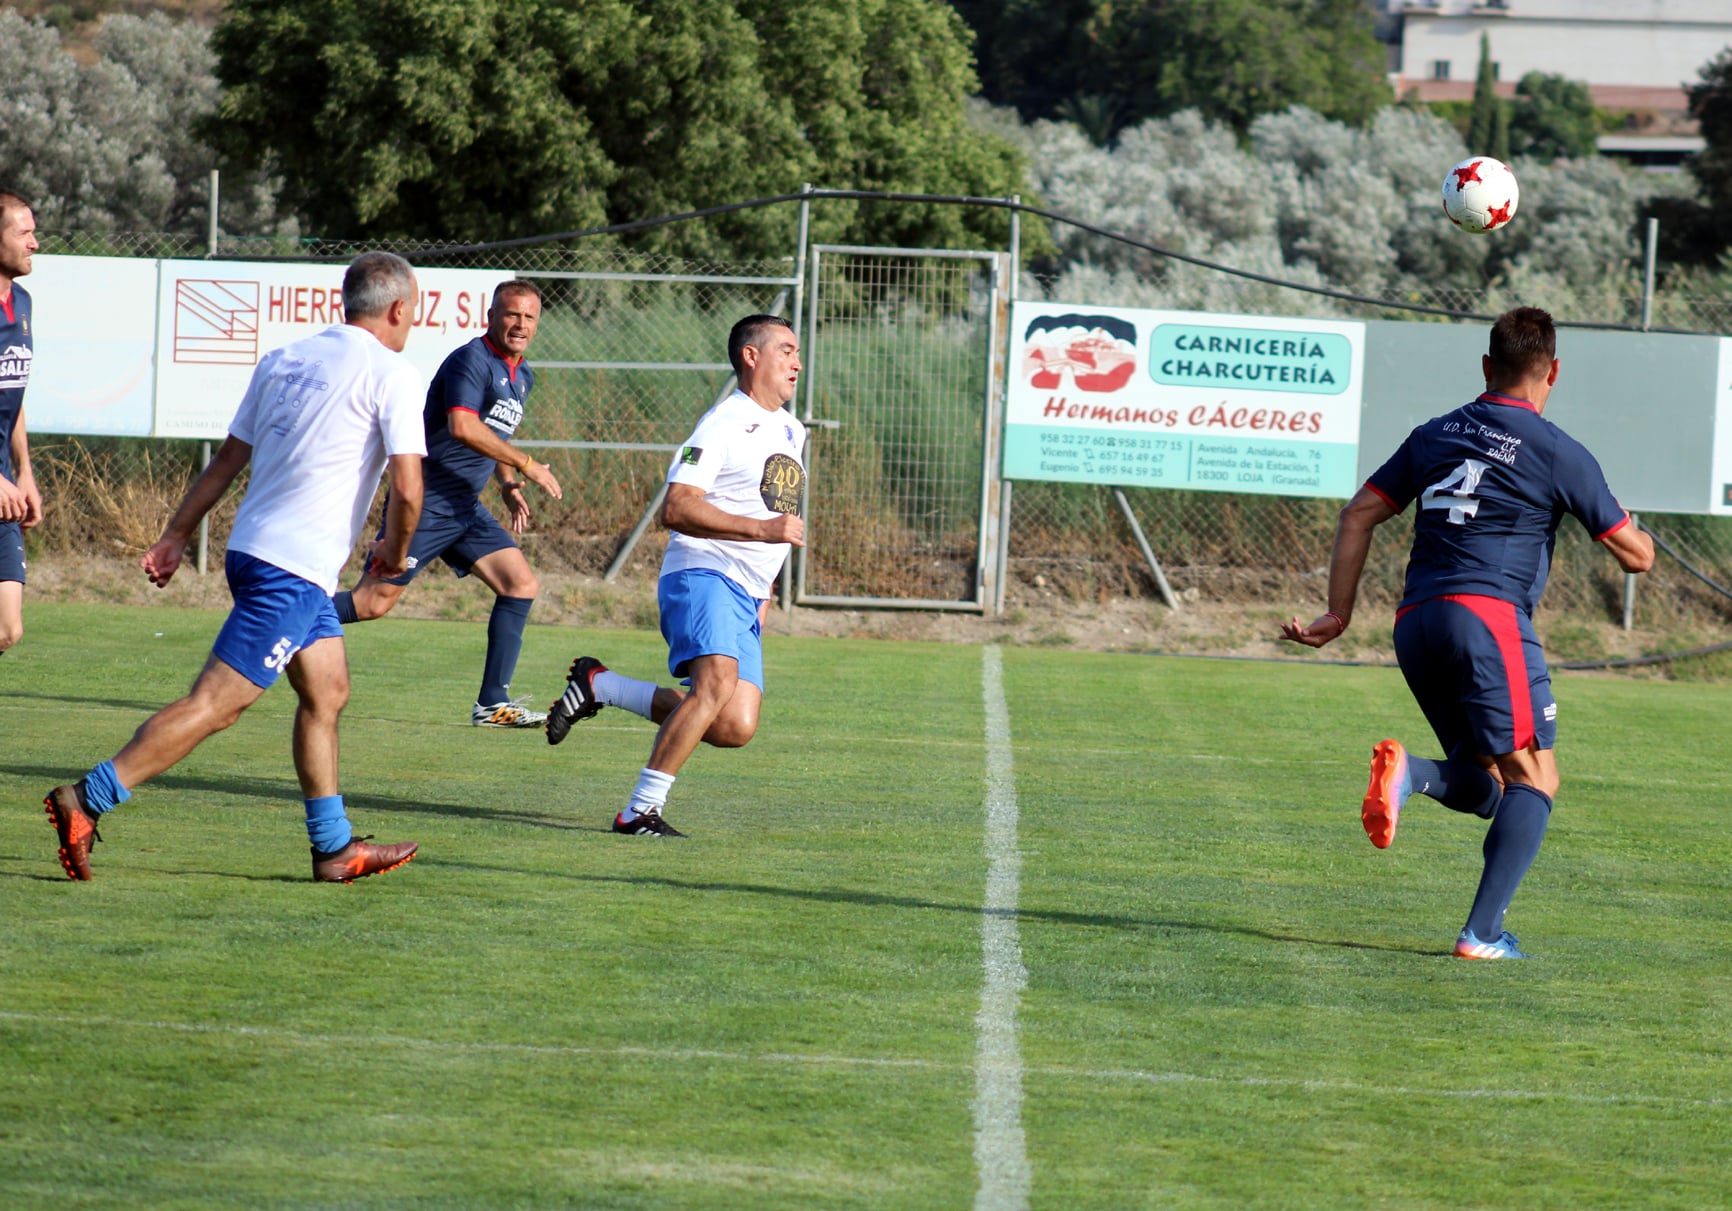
[[515, 713]]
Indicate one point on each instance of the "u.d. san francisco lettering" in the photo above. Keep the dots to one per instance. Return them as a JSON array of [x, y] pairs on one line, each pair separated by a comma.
[[1203, 416]]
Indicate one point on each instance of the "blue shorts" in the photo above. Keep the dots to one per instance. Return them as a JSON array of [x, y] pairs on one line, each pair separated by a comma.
[[11, 551], [276, 614], [706, 614], [1477, 670], [460, 541]]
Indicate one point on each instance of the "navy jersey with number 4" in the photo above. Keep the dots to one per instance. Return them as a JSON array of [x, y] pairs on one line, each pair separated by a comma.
[[16, 348], [474, 378], [1493, 480]]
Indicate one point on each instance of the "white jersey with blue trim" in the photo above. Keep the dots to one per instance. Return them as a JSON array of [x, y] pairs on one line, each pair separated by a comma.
[[322, 415], [748, 462]]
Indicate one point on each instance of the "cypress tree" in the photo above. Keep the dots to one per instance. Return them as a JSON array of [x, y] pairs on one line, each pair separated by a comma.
[[1482, 125]]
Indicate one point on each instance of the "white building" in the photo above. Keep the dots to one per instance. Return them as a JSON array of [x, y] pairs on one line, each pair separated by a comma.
[[1635, 55]]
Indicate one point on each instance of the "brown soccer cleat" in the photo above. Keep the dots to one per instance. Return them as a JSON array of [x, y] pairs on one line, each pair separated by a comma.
[[75, 826], [357, 860]]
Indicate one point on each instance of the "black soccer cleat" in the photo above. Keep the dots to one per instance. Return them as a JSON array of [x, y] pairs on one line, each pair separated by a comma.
[[645, 824], [578, 701]]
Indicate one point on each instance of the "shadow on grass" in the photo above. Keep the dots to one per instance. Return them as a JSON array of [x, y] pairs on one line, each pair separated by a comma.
[[144, 708], [880, 900], [278, 790]]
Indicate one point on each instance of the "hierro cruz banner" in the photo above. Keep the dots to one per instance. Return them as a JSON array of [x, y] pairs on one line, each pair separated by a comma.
[[1183, 399], [166, 348]]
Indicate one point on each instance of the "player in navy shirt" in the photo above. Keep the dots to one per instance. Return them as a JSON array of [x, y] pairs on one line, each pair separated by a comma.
[[1492, 481], [474, 406], [20, 501]]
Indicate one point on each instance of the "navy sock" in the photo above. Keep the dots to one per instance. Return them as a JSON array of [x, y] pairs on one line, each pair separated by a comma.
[[1461, 786], [345, 603], [1511, 843], [504, 642]]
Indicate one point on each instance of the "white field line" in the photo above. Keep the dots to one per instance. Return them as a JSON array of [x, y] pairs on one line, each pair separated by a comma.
[[463, 1047], [1000, 1150]]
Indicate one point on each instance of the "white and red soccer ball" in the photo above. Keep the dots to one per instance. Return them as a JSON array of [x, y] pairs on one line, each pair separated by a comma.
[[1480, 194]]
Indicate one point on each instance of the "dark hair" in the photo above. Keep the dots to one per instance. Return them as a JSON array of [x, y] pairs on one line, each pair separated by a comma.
[[753, 331], [11, 201], [1523, 344], [514, 286], [375, 280]]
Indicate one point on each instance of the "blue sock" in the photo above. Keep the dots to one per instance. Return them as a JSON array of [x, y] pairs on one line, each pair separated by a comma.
[[1462, 786], [504, 643], [327, 826], [1511, 843], [103, 791], [345, 603]]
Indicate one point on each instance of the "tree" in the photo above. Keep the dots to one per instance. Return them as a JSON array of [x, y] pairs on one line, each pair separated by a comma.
[[1554, 119], [1116, 62], [1482, 125], [473, 119], [1711, 106], [111, 145]]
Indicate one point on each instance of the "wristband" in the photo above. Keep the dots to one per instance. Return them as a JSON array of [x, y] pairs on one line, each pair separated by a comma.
[[528, 462], [1339, 621]]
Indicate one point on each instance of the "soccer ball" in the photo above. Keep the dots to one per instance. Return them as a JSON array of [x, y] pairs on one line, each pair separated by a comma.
[[1480, 194]]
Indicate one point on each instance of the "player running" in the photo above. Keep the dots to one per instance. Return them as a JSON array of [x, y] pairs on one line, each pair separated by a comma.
[[474, 406], [320, 420], [20, 501], [1493, 480], [733, 502]]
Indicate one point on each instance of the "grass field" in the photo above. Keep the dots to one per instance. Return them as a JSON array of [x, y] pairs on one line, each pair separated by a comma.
[[1231, 1000]]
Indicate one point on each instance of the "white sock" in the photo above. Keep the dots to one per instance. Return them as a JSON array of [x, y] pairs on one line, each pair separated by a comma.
[[649, 796], [625, 692]]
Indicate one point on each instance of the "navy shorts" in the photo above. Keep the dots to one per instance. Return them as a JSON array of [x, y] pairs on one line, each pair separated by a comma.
[[276, 614], [11, 551], [1477, 670], [706, 614], [460, 541]]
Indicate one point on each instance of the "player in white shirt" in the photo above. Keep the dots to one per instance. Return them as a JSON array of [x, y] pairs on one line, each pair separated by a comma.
[[321, 419], [733, 504]]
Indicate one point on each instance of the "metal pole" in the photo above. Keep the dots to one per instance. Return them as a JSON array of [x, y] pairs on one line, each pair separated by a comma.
[[785, 593], [210, 239], [1148, 552], [1649, 257], [1004, 485], [1630, 591], [203, 522]]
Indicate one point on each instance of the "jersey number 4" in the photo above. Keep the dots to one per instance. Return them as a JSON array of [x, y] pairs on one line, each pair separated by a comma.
[[1455, 492]]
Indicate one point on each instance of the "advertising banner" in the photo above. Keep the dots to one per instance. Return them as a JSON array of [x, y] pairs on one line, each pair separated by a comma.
[[95, 342], [216, 318], [1173, 399], [1720, 489]]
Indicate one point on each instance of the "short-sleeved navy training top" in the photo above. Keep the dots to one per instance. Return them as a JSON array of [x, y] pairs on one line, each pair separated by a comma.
[[16, 352], [1493, 480], [475, 378]]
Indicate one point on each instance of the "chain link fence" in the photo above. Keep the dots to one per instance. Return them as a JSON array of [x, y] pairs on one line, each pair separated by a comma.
[[632, 349]]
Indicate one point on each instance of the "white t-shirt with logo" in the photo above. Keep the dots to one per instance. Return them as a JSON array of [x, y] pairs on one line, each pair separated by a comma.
[[748, 461], [322, 415]]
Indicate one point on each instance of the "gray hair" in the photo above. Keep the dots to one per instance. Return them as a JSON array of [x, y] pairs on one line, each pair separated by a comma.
[[375, 280]]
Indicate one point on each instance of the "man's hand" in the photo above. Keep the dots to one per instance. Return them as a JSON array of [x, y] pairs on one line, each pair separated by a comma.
[[163, 559], [14, 503], [785, 527], [1325, 628], [519, 507], [381, 564], [541, 475]]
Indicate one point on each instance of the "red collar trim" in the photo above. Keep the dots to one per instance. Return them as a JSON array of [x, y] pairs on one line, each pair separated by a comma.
[[1492, 397], [511, 364], [7, 304]]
